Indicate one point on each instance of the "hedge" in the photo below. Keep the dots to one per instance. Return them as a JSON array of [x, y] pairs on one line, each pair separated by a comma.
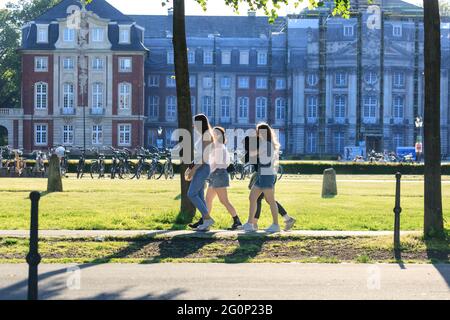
[[316, 167]]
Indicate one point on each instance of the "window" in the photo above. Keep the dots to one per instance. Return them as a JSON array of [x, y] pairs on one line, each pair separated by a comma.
[[207, 82], [243, 107], [124, 95], [68, 35], [153, 110], [97, 64], [243, 57], [348, 31], [262, 58], [67, 134], [370, 108], [41, 95], [125, 65], [191, 56], [171, 82], [97, 34], [398, 105], [280, 84], [68, 63], [97, 95], [207, 57], [40, 134], [339, 142], [170, 57], [169, 141], [312, 79], [192, 81], [124, 34], [226, 57], [244, 82], [124, 134], [40, 64], [371, 77], [153, 81], [97, 134], [42, 34], [399, 79], [225, 106], [261, 83], [339, 107], [340, 79], [171, 108], [397, 30], [398, 141], [280, 109], [207, 107], [68, 95], [261, 108], [225, 82], [193, 103], [311, 106], [311, 142]]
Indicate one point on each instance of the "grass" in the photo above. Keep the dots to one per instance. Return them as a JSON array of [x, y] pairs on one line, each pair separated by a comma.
[[363, 203], [237, 250]]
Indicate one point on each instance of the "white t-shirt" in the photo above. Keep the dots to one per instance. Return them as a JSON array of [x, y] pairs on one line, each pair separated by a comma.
[[219, 158]]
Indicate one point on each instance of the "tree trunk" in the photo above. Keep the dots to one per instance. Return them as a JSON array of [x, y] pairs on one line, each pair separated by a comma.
[[54, 182], [433, 219], [187, 210]]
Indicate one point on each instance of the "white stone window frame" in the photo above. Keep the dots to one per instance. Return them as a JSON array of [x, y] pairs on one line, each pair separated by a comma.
[[171, 108], [225, 104], [261, 104], [170, 57], [225, 82], [40, 132], [192, 81], [153, 81], [68, 135], [171, 81], [207, 106], [312, 104], [97, 134], [262, 58], [98, 34], [207, 82], [226, 57], [41, 28], [348, 30], [122, 64], [208, 57], [340, 79], [40, 66], [125, 97], [124, 29], [243, 104], [97, 95], [153, 107], [244, 57], [68, 65], [312, 79], [124, 134], [191, 56], [262, 83], [243, 82], [280, 83], [38, 95], [280, 104], [398, 79], [68, 34], [98, 63], [397, 30], [68, 96]]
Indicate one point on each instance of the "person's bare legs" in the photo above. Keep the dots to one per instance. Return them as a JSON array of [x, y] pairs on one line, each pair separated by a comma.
[[269, 194], [210, 195], [255, 192], [222, 194]]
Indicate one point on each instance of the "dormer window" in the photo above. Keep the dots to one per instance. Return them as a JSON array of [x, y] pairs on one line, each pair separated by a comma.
[[124, 34], [42, 34], [97, 34], [397, 30], [69, 35]]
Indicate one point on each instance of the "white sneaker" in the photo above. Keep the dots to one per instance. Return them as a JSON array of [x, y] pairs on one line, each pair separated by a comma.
[[206, 225], [273, 228], [255, 226], [248, 227], [289, 224]]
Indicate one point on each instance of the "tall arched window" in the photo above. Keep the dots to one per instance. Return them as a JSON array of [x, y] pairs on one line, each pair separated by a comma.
[[311, 105], [207, 108], [280, 109], [339, 107], [97, 95], [68, 95], [243, 107], [261, 108], [370, 108], [153, 110], [124, 95], [398, 106], [171, 108], [41, 95], [225, 105]]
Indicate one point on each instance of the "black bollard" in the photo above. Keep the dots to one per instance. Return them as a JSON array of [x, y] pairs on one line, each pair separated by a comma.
[[33, 257], [397, 211]]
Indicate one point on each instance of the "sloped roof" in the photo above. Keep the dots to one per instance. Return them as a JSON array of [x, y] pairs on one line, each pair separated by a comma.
[[100, 7]]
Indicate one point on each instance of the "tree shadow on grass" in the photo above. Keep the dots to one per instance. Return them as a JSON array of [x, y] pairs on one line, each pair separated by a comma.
[[438, 250], [249, 247]]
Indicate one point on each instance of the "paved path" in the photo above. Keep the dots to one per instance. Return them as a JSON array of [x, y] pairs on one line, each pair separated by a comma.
[[231, 281], [192, 234]]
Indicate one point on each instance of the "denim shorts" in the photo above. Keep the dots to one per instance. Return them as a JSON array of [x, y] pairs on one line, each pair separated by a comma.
[[219, 179], [265, 181]]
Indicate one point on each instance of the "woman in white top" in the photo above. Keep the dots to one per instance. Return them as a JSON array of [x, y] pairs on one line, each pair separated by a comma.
[[219, 180]]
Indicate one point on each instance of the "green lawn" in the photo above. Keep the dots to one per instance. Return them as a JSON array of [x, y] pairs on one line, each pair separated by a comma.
[[363, 203]]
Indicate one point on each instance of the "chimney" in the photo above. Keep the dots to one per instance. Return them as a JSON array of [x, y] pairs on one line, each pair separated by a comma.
[[251, 13]]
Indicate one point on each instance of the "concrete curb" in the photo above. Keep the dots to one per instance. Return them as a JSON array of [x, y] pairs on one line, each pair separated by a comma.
[[214, 234]]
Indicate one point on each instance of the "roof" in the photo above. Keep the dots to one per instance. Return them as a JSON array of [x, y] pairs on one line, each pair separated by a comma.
[[100, 7]]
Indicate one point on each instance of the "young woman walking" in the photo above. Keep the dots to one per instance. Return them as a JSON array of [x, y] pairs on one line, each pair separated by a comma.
[[219, 179], [203, 142], [266, 153]]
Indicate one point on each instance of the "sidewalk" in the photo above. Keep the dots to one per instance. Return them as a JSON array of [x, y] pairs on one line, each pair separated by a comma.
[[216, 234], [230, 281]]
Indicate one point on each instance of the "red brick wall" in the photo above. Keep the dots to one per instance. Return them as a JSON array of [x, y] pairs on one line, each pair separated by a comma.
[[29, 78], [137, 128], [136, 78], [16, 134]]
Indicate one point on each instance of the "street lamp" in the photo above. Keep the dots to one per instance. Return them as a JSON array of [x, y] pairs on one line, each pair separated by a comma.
[[419, 141]]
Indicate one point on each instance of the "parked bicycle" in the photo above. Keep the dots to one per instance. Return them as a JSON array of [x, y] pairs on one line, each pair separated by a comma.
[[81, 164], [169, 172], [98, 166]]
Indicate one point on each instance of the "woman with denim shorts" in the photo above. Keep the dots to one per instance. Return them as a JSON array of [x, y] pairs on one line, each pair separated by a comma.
[[201, 169], [219, 179], [266, 153]]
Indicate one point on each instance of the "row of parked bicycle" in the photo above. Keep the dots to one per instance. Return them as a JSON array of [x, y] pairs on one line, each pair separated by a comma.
[[152, 163]]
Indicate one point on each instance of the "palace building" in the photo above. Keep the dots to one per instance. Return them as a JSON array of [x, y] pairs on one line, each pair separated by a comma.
[[324, 82]]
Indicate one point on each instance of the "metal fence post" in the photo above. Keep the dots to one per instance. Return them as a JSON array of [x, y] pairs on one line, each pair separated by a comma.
[[33, 257], [397, 211]]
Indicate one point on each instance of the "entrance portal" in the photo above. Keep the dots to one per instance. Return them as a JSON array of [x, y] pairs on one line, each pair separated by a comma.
[[3, 136], [373, 143]]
